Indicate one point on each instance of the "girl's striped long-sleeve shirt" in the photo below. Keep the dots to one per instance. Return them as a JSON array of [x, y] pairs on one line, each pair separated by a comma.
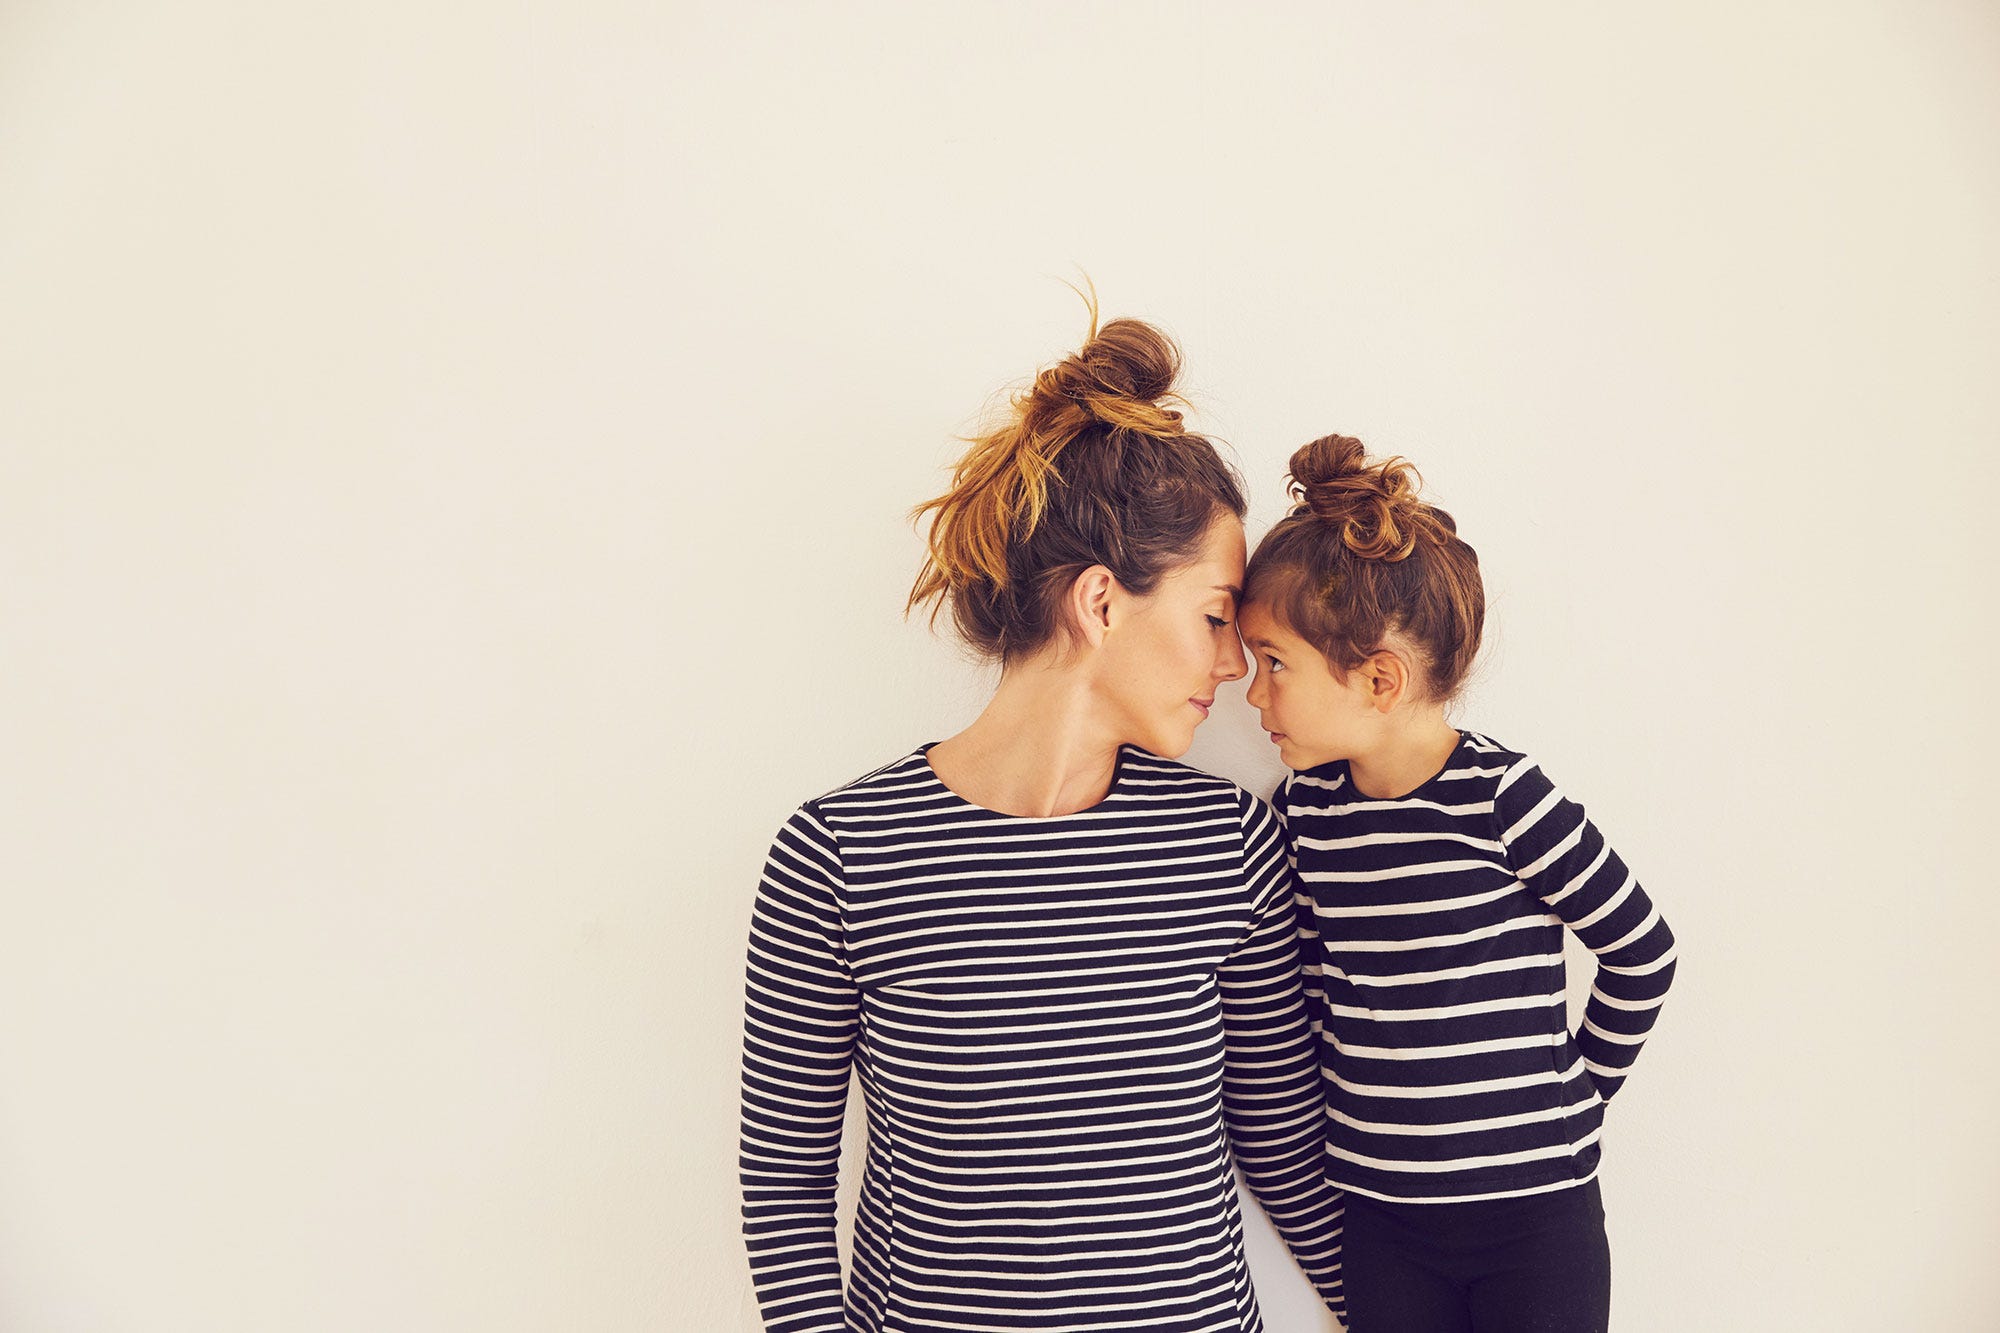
[[1062, 1027], [1432, 926]]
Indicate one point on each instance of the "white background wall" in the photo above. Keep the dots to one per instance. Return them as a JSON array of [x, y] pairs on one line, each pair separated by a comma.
[[453, 462]]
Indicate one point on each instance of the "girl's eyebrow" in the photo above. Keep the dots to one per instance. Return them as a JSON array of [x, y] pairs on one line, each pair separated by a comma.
[[1235, 593]]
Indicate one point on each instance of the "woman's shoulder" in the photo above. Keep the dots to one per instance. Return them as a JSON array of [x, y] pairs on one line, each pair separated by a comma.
[[903, 775], [1142, 771]]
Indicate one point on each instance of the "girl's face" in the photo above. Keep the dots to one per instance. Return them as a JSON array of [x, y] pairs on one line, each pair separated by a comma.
[[1314, 716], [1165, 654]]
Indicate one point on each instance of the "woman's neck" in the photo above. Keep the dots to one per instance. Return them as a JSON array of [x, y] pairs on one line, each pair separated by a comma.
[[1039, 748], [1408, 752]]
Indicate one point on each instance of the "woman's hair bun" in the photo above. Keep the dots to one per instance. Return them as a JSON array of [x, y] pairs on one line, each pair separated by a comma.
[[1374, 506], [1091, 467], [1122, 377]]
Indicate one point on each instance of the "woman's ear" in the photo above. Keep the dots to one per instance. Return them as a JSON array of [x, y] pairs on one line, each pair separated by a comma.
[[1089, 604]]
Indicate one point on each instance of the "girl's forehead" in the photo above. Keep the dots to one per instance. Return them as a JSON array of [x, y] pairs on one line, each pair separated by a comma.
[[1258, 618]]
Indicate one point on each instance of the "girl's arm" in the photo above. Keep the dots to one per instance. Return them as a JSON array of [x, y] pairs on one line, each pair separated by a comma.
[[1271, 1099], [1564, 860], [800, 1015]]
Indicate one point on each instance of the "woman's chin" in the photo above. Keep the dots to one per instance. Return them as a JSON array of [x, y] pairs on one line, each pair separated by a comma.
[[1168, 742]]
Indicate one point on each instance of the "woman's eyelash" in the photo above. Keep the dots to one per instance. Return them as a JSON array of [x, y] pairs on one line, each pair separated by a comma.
[[1217, 623]]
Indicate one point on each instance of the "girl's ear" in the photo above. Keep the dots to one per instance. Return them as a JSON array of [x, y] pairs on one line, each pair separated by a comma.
[[1387, 677]]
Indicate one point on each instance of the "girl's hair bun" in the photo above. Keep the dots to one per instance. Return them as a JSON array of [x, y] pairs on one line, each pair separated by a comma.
[[1360, 559], [1374, 506]]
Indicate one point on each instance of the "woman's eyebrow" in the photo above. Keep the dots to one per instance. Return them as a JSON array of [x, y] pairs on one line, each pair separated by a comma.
[[1235, 593]]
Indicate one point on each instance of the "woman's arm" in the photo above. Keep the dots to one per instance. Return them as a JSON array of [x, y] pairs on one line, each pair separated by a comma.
[[1271, 1098], [800, 1016], [1311, 976], [1562, 858]]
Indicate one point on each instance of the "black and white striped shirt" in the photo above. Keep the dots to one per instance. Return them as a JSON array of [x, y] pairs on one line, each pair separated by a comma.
[[1061, 1026], [1433, 932]]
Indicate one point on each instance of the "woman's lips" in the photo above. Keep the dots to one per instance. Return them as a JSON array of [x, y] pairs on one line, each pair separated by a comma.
[[1203, 704]]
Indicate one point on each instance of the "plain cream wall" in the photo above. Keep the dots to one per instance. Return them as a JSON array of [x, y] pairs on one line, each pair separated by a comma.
[[453, 463]]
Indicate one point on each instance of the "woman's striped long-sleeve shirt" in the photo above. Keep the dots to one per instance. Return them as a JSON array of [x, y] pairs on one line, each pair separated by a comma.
[[1061, 1027], [1433, 933]]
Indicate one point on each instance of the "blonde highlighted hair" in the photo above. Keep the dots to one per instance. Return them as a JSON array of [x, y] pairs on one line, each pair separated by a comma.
[[1091, 467]]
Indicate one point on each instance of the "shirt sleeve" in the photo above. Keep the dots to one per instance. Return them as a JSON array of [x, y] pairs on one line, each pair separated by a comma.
[[1271, 1097], [1562, 858], [1312, 977], [801, 1013]]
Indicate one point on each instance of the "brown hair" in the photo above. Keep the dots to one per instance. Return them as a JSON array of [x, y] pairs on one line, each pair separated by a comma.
[[1360, 557], [1091, 468]]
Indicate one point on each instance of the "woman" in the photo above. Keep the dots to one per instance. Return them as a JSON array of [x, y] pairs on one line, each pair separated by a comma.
[[1063, 966]]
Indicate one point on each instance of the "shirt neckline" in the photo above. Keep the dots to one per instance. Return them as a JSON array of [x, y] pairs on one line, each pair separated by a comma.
[[1120, 767], [1355, 793]]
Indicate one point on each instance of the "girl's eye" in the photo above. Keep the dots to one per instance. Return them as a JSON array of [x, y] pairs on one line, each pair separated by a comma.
[[1276, 665], [1215, 623]]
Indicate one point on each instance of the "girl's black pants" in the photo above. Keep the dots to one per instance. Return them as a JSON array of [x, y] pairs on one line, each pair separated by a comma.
[[1540, 1262]]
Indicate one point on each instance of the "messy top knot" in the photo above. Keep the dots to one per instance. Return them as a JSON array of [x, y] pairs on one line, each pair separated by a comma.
[[1360, 558], [1123, 378], [1093, 467], [1373, 506]]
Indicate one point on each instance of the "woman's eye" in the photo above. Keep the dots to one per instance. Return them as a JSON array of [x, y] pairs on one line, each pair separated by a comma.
[[1216, 623], [1275, 664]]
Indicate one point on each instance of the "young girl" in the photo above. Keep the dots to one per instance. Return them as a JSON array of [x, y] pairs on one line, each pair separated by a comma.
[[1438, 868]]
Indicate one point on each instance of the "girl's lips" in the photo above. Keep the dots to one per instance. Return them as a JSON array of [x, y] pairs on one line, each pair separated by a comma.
[[1203, 706]]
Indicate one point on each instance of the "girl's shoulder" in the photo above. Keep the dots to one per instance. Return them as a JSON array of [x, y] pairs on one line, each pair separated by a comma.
[[1476, 770], [1511, 781], [1481, 755]]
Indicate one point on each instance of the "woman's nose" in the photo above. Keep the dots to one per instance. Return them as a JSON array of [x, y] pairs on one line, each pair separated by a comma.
[[1232, 665]]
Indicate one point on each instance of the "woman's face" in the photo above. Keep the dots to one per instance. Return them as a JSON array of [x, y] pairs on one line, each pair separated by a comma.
[[1163, 655]]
